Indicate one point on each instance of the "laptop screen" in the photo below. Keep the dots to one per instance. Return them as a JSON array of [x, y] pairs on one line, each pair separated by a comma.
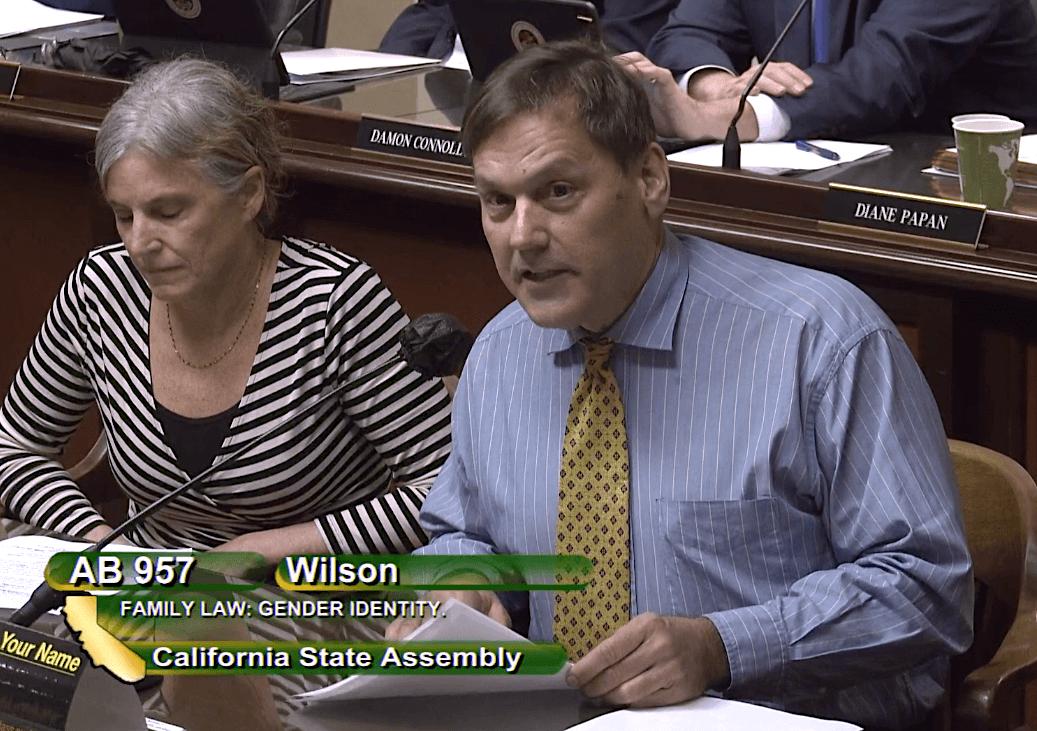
[[493, 30], [237, 22]]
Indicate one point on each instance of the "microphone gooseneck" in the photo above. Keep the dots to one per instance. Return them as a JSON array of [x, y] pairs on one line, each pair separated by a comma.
[[732, 150], [432, 344], [288, 26]]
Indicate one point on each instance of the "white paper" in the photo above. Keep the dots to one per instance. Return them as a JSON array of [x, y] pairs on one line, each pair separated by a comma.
[[22, 16], [775, 158], [456, 621], [23, 564], [24, 559], [1028, 149], [715, 714], [346, 61], [457, 59]]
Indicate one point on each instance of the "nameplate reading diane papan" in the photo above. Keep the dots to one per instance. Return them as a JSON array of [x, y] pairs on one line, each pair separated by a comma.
[[424, 141], [904, 213]]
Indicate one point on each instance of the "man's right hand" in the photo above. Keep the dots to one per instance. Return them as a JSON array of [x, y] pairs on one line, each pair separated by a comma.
[[779, 78], [483, 601]]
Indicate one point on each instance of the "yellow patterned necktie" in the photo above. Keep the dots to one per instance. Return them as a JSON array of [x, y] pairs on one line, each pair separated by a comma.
[[594, 507]]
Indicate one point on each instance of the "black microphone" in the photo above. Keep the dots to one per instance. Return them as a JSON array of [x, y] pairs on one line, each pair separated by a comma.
[[433, 345], [275, 74], [288, 26], [732, 155]]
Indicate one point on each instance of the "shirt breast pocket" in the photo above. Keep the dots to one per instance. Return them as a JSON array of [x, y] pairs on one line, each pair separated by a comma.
[[724, 554]]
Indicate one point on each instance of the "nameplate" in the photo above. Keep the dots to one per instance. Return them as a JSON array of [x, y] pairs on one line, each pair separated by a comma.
[[8, 78], [904, 213], [38, 678], [423, 141]]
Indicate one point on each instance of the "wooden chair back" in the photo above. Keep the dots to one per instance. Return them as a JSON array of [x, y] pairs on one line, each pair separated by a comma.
[[999, 505]]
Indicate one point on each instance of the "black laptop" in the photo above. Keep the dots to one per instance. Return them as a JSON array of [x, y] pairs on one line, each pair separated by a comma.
[[234, 32], [493, 30]]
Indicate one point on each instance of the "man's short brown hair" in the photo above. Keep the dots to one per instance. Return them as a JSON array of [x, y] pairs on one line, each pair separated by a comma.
[[611, 104]]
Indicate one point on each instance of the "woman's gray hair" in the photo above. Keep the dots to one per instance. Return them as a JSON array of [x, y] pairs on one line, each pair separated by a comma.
[[199, 112]]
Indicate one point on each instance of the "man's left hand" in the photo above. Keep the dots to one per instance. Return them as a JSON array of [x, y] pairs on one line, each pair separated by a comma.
[[654, 660]]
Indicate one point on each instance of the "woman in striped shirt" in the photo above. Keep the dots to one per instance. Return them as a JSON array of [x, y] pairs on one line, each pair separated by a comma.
[[198, 333]]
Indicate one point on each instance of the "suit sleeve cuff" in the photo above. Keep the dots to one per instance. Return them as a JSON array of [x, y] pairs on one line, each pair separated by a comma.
[[756, 645], [773, 122]]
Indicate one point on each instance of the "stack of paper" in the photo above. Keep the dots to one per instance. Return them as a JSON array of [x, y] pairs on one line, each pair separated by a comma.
[[456, 622], [23, 16], [321, 65], [711, 713], [777, 158], [24, 559]]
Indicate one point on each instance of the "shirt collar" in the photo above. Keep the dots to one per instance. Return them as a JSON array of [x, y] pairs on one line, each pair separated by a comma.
[[650, 320]]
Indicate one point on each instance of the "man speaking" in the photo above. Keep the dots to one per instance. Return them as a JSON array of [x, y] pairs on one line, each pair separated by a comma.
[[746, 449]]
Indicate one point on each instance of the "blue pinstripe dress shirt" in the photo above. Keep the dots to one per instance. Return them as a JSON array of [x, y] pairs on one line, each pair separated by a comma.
[[790, 478]]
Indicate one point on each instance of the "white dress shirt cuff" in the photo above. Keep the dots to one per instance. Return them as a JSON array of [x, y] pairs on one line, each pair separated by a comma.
[[774, 124], [683, 81]]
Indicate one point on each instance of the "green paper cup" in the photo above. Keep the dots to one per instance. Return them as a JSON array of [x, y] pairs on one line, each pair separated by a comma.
[[987, 153], [974, 117]]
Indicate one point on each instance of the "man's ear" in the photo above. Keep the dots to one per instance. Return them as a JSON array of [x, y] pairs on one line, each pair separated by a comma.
[[252, 193], [655, 181]]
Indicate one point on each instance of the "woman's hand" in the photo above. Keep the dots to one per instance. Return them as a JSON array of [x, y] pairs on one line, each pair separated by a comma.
[[96, 534], [274, 544]]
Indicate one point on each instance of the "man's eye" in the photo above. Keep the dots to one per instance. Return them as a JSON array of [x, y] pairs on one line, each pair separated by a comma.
[[561, 190], [168, 215], [123, 217], [497, 201]]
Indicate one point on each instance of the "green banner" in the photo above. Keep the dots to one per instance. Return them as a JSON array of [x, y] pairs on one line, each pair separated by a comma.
[[379, 573], [350, 658]]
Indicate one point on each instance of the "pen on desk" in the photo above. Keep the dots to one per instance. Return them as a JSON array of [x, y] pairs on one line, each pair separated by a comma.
[[811, 147]]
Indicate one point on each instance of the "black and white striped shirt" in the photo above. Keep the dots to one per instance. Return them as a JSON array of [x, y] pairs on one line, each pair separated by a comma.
[[330, 319]]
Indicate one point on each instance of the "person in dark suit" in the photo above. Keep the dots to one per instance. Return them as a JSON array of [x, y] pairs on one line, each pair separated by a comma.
[[427, 28], [84, 6], [880, 65]]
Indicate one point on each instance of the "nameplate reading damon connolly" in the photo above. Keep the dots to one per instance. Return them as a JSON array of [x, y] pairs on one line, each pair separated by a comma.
[[904, 213], [426, 142]]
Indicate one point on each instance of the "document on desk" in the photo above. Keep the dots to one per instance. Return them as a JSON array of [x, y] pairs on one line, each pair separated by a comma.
[[24, 560], [23, 16], [777, 158], [456, 621], [710, 713], [320, 65], [23, 563]]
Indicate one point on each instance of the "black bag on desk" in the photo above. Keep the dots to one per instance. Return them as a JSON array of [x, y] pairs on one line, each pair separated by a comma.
[[97, 57]]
